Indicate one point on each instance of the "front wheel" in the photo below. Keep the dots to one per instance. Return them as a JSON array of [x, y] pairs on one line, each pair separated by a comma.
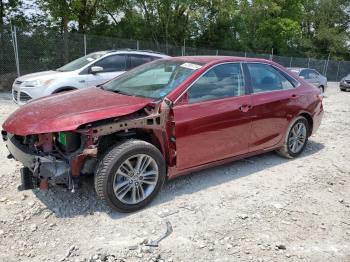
[[130, 175], [296, 138]]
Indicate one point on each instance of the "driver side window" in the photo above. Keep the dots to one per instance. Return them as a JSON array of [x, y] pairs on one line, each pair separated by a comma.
[[222, 81], [113, 63]]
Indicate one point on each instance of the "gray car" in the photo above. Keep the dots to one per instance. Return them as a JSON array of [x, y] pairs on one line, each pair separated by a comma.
[[345, 83], [311, 76]]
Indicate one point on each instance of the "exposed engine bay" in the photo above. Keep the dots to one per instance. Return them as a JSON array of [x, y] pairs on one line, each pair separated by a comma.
[[61, 158]]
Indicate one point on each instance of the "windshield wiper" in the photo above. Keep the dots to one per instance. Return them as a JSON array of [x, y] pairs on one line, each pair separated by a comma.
[[120, 92]]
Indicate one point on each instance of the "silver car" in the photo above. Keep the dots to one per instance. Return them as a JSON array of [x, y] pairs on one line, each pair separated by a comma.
[[90, 70], [345, 83], [311, 76]]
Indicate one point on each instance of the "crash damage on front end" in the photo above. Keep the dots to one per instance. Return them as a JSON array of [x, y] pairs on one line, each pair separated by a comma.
[[61, 158]]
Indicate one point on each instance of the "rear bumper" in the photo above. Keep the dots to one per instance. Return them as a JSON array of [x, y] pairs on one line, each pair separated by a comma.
[[317, 118], [55, 171]]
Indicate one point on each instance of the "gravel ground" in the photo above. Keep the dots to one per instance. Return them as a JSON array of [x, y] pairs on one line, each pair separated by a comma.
[[264, 208]]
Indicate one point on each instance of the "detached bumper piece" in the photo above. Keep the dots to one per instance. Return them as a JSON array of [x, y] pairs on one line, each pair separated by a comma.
[[38, 168]]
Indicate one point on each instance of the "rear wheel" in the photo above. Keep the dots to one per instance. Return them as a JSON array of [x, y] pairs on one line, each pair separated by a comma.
[[130, 175], [296, 138]]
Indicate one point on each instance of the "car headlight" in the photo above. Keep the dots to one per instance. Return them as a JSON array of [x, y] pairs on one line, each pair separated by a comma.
[[36, 83]]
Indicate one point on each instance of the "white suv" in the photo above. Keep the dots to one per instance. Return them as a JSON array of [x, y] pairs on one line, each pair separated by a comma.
[[90, 70]]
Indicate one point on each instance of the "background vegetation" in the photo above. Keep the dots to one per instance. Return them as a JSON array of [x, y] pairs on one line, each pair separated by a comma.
[[307, 28]]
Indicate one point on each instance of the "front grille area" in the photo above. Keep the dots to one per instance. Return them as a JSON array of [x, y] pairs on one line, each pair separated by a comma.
[[15, 94], [24, 97]]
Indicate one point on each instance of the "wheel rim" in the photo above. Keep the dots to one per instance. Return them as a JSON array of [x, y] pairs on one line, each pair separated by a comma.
[[135, 179], [297, 137]]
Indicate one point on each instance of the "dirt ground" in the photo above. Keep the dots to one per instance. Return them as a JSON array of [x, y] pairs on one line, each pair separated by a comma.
[[264, 208]]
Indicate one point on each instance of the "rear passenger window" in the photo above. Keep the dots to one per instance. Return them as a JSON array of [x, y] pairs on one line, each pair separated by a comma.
[[220, 82], [136, 60], [266, 78]]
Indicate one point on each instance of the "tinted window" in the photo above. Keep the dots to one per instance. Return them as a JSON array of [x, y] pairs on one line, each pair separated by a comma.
[[112, 63], [266, 78], [305, 73], [222, 81], [136, 60]]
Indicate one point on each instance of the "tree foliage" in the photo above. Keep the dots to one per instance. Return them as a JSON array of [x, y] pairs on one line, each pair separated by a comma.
[[286, 27]]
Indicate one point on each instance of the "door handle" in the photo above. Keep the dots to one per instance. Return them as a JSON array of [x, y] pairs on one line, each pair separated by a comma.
[[294, 96], [245, 108]]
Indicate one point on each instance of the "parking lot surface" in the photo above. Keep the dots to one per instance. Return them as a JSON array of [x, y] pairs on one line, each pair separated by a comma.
[[264, 208]]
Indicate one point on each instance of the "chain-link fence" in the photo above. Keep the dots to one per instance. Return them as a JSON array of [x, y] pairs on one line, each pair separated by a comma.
[[27, 50]]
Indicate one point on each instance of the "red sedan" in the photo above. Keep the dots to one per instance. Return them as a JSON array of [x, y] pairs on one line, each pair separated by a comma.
[[160, 120]]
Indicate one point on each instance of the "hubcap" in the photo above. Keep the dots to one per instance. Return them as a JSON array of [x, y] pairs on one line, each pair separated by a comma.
[[135, 179], [297, 137]]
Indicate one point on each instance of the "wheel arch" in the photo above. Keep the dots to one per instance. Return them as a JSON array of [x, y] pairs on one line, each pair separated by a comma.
[[63, 89], [309, 120], [150, 136]]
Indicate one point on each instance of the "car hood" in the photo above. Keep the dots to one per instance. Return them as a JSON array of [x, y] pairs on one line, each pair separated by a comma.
[[44, 75], [69, 110]]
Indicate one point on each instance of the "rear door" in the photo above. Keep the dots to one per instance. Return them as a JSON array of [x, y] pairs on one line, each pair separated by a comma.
[[273, 104], [213, 120], [112, 65]]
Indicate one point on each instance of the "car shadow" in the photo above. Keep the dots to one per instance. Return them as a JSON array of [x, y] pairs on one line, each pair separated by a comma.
[[84, 202]]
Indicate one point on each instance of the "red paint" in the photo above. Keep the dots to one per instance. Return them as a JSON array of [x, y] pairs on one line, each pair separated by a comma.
[[69, 110], [202, 134]]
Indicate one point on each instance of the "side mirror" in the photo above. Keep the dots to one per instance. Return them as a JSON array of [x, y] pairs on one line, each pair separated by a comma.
[[96, 69]]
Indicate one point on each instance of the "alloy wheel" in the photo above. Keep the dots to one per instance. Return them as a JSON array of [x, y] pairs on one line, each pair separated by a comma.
[[297, 137], [136, 179]]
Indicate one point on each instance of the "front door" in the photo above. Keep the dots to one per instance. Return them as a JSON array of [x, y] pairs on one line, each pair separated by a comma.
[[112, 65], [214, 121]]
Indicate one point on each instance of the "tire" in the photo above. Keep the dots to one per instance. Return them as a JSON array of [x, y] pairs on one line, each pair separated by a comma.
[[119, 169], [285, 150], [342, 90]]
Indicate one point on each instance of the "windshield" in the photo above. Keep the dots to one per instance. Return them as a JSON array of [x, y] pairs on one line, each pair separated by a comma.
[[153, 80], [80, 62]]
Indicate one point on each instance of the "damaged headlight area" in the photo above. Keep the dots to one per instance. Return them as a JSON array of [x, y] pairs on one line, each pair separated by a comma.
[[51, 159]]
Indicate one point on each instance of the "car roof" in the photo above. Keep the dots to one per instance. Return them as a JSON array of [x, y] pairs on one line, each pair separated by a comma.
[[136, 51], [216, 59]]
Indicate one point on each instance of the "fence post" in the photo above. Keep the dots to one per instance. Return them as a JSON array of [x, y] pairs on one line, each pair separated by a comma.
[[326, 68], [308, 63], [245, 54], [137, 44], [15, 48], [84, 44], [290, 62], [336, 78], [217, 52], [184, 48]]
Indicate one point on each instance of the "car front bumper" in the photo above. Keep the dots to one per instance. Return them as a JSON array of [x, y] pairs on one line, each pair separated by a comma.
[[22, 95], [55, 171]]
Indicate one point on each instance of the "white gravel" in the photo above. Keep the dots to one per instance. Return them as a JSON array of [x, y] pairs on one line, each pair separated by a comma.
[[264, 208]]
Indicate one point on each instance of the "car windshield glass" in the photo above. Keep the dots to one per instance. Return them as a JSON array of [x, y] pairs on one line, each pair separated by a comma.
[[80, 62], [153, 80]]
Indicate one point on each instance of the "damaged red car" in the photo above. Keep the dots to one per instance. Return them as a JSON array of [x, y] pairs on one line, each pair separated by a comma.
[[161, 120]]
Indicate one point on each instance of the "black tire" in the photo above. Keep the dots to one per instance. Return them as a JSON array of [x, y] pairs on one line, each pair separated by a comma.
[[285, 150], [108, 166], [343, 90]]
